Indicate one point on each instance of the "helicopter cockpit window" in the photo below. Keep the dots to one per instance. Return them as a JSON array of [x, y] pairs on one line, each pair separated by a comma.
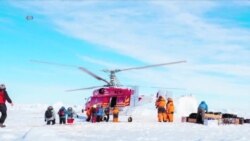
[[101, 91]]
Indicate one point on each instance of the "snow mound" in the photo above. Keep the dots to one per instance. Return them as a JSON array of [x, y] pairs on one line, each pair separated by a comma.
[[186, 105]]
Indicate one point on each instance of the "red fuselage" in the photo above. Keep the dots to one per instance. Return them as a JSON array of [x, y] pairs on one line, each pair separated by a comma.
[[110, 96]]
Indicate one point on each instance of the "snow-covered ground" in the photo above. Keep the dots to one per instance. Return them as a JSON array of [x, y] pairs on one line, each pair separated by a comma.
[[26, 122]]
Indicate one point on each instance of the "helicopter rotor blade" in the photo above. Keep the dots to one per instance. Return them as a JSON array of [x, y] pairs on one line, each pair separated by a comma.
[[83, 88], [81, 68], [156, 87], [52, 63], [94, 75], [170, 88], [149, 66]]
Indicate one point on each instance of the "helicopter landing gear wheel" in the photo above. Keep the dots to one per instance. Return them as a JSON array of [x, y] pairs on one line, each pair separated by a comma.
[[130, 119]]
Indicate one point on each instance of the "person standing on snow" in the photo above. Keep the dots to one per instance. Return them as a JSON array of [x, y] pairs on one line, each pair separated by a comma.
[[99, 113], [3, 108], [88, 114], [70, 115], [106, 111], [115, 114], [170, 110], [161, 106], [62, 115], [50, 116], [202, 109], [93, 112]]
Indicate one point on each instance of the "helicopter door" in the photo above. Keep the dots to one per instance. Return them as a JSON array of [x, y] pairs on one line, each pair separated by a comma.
[[113, 101]]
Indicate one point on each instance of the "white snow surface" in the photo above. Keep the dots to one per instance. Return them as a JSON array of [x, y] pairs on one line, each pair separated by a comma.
[[26, 123]]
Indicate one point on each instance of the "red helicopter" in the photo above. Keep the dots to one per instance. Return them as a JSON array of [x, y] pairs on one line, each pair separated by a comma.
[[113, 94]]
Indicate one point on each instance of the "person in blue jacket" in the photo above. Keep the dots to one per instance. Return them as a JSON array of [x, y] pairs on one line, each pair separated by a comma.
[[99, 113], [202, 109], [70, 115]]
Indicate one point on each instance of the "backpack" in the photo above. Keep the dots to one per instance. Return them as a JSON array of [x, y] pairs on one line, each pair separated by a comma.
[[48, 114], [61, 112], [193, 115], [247, 121], [2, 97]]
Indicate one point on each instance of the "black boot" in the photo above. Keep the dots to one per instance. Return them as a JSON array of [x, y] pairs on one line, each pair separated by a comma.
[[2, 125]]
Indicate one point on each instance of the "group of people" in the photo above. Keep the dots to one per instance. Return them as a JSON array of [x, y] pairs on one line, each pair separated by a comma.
[[63, 113], [98, 113], [165, 109]]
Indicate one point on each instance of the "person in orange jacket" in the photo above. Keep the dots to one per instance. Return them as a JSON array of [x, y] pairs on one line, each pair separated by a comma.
[[161, 106], [115, 114], [170, 110], [88, 114]]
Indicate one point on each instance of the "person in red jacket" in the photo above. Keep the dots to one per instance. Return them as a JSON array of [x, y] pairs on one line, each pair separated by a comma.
[[3, 109]]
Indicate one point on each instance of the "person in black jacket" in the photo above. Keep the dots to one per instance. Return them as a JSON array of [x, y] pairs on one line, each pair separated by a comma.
[[107, 111], [50, 116], [3, 109]]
